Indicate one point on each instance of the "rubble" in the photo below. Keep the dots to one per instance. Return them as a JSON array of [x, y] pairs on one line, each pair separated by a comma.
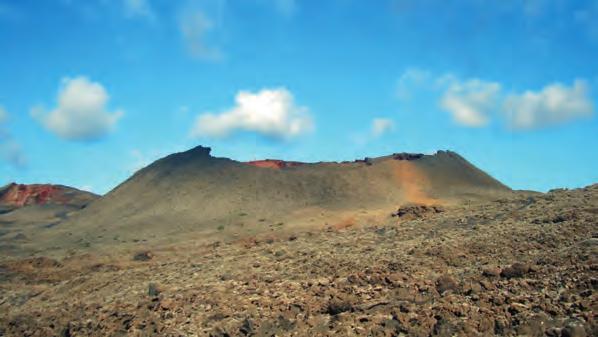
[[431, 276]]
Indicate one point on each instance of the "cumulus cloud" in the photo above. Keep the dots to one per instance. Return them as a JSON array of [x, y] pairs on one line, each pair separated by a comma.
[[10, 150], [475, 102], [81, 113], [380, 126], [139, 8], [471, 102], [554, 104], [269, 112], [195, 25]]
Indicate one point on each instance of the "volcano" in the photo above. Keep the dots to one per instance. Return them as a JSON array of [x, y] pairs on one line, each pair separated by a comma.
[[196, 193]]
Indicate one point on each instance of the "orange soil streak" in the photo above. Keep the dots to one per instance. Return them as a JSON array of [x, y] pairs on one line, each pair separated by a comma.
[[345, 223], [413, 183]]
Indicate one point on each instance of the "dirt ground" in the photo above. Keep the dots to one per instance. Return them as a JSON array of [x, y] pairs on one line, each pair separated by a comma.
[[526, 265]]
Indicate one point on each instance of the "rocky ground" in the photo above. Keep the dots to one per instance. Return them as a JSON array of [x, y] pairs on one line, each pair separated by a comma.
[[525, 266]]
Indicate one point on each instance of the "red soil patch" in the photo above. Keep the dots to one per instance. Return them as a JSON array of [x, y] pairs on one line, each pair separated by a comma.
[[274, 163], [413, 183], [21, 195], [345, 223]]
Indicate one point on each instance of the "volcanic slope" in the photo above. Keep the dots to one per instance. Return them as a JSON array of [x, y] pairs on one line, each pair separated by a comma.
[[194, 192]]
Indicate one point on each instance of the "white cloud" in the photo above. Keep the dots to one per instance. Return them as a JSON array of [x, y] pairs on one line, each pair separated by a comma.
[[471, 102], [554, 104], [140, 8], [81, 112], [380, 126], [475, 102], [194, 25], [10, 150], [270, 112]]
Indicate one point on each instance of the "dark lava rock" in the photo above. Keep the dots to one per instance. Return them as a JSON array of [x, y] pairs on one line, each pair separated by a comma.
[[515, 270], [443, 328], [367, 161], [247, 327], [20, 237], [445, 283], [417, 211], [143, 256], [407, 156], [153, 290], [337, 306], [573, 329]]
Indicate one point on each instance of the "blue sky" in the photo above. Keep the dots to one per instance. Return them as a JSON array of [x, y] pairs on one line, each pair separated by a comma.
[[91, 91]]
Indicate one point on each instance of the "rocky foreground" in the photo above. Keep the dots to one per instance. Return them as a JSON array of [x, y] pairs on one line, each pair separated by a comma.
[[525, 266]]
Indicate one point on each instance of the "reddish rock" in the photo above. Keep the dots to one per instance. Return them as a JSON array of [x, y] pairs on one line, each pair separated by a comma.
[[19, 195], [274, 163]]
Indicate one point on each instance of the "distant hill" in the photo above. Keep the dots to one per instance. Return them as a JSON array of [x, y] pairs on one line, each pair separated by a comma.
[[195, 193], [13, 196], [29, 210]]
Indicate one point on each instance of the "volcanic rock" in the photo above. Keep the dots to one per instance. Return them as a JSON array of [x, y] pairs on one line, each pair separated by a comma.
[[407, 156], [515, 270], [143, 256], [417, 211], [445, 283]]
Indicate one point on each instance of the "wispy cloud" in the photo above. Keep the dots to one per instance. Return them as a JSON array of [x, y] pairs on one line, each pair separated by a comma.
[[269, 112], [286, 7], [10, 150], [411, 80], [381, 126], [139, 8], [81, 113], [196, 27]]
